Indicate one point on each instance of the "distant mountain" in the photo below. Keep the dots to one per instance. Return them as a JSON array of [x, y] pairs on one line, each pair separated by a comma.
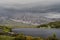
[[30, 13], [26, 19]]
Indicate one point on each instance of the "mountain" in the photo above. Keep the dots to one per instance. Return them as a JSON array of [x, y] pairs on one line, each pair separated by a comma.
[[29, 13]]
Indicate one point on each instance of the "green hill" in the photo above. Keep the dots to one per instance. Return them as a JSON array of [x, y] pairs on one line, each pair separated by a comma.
[[55, 24], [16, 24]]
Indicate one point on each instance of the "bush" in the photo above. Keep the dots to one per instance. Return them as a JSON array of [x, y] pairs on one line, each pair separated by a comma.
[[20, 37], [6, 37]]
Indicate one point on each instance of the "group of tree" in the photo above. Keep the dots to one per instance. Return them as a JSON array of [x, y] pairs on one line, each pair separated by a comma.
[[55, 24], [5, 30]]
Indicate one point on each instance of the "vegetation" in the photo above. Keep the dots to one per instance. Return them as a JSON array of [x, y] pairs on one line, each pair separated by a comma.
[[23, 37], [50, 25], [6, 34], [6, 29], [52, 37], [4, 37], [14, 24]]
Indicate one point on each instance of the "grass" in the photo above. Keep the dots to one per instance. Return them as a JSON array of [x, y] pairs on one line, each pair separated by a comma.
[[16, 24], [2, 37]]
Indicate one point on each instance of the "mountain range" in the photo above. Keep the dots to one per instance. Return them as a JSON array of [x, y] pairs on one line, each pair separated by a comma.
[[33, 13]]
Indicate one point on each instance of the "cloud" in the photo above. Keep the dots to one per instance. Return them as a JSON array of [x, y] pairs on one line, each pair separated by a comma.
[[32, 6], [29, 1], [18, 1], [52, 15]]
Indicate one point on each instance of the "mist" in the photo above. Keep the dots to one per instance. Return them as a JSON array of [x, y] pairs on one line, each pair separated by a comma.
[[45, 7]]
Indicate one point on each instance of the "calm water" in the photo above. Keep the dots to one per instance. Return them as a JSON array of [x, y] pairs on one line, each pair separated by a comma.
[[38, 32]]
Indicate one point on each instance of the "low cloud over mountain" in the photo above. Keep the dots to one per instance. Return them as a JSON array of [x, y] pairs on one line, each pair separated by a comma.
[[30, 10]]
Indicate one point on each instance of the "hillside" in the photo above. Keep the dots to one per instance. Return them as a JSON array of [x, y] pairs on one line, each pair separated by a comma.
[[13, 24], [55, 24], [29, 14]]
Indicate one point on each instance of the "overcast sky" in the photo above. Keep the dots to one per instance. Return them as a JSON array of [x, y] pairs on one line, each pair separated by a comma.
[[29, 1], [43, 2]]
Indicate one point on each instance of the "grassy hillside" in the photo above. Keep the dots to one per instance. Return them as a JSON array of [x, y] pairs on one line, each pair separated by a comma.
[[55, 24], [16, 24]]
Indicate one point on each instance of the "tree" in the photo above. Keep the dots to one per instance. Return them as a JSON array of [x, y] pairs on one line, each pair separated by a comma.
[[20, 37], [43, 25], [6, 29], [52, 37]]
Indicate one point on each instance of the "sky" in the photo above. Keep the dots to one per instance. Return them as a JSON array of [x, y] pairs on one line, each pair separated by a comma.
[[29, 1], [52, 15], [55, 6]]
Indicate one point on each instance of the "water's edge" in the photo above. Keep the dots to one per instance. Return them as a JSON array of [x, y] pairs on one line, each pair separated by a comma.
[[38, 32]]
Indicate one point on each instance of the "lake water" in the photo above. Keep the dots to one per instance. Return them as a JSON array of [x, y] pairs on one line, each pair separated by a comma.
[[38, 32]]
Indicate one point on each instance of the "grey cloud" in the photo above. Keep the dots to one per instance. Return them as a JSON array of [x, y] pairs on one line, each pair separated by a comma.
[[41, 6]]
